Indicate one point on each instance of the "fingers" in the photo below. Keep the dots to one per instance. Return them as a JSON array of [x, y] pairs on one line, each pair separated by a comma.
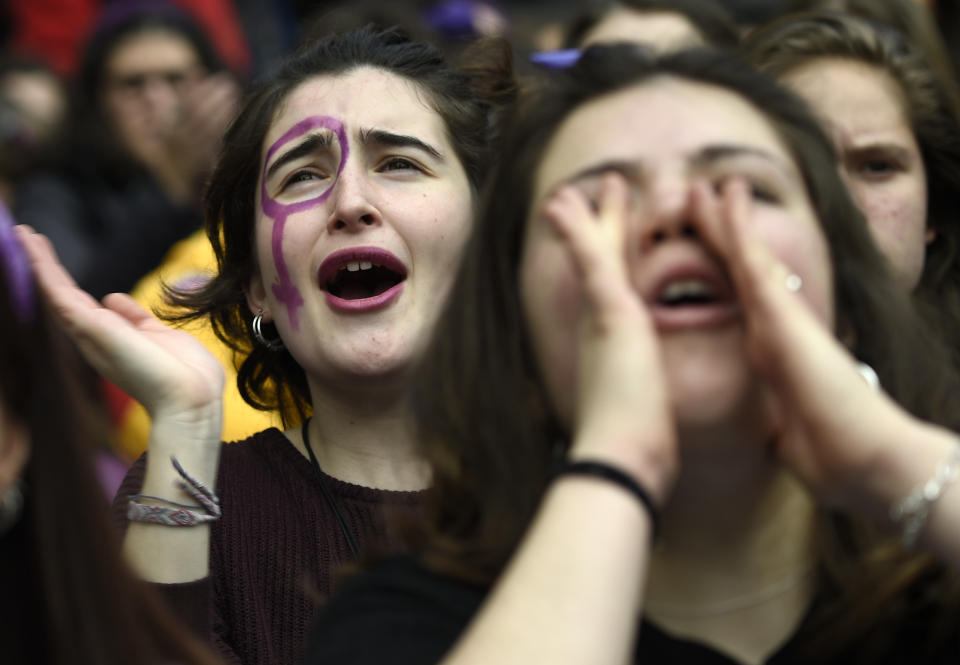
[[130, 309], [813, 375], [59, 287], [758, 276], [595, 240], [208, 108]]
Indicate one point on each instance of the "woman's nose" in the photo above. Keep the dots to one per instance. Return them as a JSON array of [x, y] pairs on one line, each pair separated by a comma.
[[353, 205], [667, 212]]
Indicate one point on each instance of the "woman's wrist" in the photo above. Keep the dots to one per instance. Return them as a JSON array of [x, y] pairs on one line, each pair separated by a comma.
[[617, 477], [906, 471], [652, 461], [936, 470]]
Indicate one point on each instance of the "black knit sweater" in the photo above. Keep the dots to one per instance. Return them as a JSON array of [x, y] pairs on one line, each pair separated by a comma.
[[275, 552]]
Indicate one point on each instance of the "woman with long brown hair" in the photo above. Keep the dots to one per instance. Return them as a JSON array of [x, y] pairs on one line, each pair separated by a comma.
[[894, 124], [645, 407], [338, 212]]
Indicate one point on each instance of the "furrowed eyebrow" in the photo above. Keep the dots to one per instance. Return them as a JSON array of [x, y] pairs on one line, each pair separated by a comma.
[[894, 149], [715, 153], [312, 143], [634, 171], [380, 137], [627, 169]]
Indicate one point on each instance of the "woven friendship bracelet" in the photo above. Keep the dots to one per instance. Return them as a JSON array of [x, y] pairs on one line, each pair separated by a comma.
[[605, 471], [914, 510], [171, 513]]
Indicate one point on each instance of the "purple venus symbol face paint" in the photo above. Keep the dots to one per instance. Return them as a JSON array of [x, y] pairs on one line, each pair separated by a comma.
[[284, 290]]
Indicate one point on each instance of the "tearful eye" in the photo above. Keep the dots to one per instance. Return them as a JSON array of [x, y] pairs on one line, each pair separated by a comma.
[[400, 164], [298, 177]]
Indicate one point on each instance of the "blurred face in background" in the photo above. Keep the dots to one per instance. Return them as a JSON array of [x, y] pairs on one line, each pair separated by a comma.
[[864, 110], [658, 31], [40, 99], [146, 76]]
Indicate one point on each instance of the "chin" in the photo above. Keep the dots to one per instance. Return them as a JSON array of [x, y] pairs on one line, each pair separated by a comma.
[[375, 363], [716, 396], [363, 362]]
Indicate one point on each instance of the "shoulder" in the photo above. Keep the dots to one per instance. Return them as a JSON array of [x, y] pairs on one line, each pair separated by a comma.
[[415, 613], [265, 452]]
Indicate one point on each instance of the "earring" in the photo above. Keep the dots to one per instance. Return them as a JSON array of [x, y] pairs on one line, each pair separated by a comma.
[[10, 507], [869, 375], [256, 326]]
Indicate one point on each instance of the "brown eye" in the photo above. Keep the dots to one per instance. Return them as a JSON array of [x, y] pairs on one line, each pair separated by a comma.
[[877, 167], [303, 175], [400, 164], [763, 194], [758, 191]]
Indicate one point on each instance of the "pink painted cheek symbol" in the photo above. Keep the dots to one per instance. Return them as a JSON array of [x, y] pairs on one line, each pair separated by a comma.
[[284, 290]]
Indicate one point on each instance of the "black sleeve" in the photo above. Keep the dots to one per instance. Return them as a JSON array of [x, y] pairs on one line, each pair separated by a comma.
[[50, 206], [397, 613]]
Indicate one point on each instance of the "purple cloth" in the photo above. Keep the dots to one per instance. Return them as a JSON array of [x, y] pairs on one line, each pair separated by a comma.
[[556, 59]]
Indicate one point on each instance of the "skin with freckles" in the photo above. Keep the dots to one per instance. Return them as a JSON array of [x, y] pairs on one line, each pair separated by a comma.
[[371, 166], [708, 374], [864, 111]]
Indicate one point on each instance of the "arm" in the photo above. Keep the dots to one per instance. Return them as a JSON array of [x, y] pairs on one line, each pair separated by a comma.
[[573, 591], [194, 603], [179, 383], [853, 446]]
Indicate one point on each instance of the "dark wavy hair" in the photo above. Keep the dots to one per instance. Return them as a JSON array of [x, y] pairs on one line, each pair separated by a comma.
[[715, 25], [467, 99], [928, 104], [68, 596], [916, 23], [91, 133], [479, 399]]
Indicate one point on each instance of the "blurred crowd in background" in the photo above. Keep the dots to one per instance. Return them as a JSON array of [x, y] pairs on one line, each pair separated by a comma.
[[111, 115]]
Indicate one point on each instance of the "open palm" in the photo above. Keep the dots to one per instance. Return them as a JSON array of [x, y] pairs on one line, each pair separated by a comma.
[[165, 369]]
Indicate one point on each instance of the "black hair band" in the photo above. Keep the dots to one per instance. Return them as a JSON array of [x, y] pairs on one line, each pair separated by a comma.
[[605, 471]]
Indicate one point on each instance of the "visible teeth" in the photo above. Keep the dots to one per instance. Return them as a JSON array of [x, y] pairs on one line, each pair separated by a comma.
[[357, 266], [691, 288]]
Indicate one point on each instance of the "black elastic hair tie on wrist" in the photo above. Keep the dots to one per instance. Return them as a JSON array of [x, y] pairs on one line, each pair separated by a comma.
[[613, 474]]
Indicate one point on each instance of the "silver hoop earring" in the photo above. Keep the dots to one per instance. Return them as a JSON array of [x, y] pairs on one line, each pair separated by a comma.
[[11, 505], [256, 326], [869, 376]]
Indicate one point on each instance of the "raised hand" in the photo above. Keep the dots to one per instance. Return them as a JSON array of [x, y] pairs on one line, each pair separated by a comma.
[[206, 108], [166, 370], [623, 412], [847, 441]]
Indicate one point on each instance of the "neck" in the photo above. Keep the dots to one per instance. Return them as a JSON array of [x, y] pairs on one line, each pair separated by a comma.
[[365, 439], [735, 566]]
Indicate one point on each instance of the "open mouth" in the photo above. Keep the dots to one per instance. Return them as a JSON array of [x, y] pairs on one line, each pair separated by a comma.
[[692, 297], [362, 279], [688, 292], [361, 273]]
